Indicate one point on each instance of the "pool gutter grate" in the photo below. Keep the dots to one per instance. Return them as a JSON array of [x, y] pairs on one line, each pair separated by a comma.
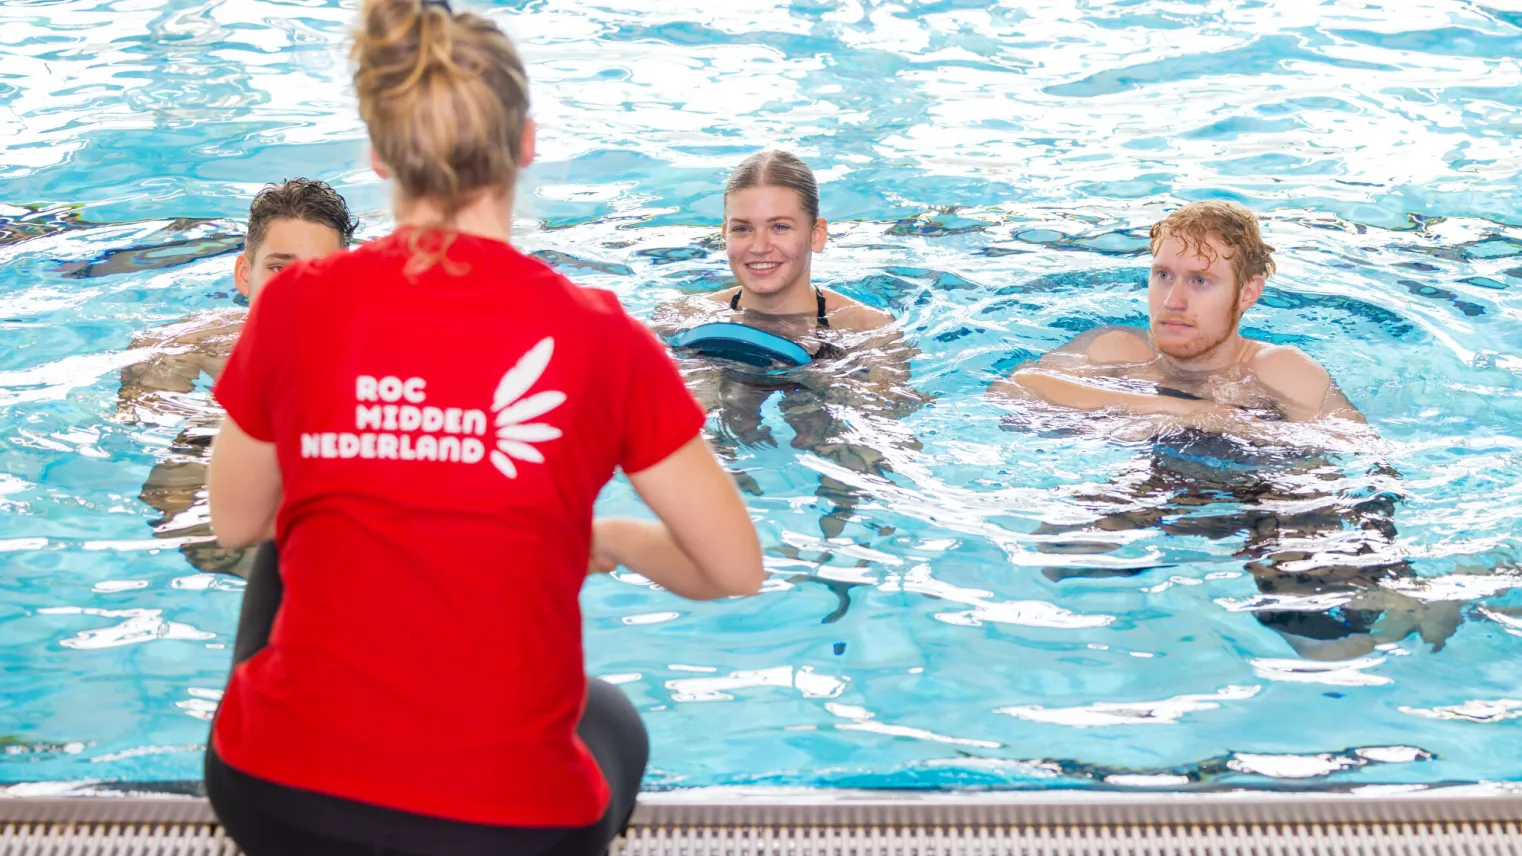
[[1492, 839], [114, 839], [1458, 839], [857, 823]]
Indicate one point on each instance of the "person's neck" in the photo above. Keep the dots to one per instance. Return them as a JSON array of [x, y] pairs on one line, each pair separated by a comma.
[[796, 299], [1228, 352], [489, 215]]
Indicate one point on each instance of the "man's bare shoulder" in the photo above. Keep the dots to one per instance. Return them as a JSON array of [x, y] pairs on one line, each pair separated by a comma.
[[1303, 386], [1116, 346], [1291, 371]]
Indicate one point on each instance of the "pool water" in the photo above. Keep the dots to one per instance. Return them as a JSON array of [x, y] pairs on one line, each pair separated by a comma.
[[979, 599]]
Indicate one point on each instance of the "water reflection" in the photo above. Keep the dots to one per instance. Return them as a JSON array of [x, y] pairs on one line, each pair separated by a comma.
[[166, 244], [1322, 548], [991, 168]]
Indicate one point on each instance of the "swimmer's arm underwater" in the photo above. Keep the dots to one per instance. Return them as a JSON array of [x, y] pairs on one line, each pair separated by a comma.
[[1058, 377], [1302, 392], [1067, 390], [881, 368], [161, 371], [873, 373], [887, 357], [173, 361]]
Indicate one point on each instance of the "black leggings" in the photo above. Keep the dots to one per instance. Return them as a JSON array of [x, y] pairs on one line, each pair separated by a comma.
[[267, 819]]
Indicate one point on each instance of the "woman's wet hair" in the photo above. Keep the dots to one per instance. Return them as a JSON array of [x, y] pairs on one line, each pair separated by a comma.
[[298, 199], [1230, 223], [777, 169], [445, 98]]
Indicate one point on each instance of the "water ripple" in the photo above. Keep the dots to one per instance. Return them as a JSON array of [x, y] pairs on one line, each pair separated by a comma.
[[955, 588]]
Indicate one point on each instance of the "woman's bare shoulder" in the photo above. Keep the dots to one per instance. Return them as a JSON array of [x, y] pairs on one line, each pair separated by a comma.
[[850, 314]]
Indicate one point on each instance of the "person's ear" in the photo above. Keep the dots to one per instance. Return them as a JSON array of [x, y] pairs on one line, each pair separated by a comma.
[[243, 273], [527, 147], [1251, 291], [379, 166], [821, 234]]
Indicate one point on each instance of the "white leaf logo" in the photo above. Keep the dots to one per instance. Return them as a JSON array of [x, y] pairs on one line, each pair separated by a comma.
[[504, 463], [515, 434], [535, 405], [523, 375]]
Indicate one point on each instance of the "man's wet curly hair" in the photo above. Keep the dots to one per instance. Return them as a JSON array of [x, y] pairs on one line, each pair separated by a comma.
[[1227, 222]]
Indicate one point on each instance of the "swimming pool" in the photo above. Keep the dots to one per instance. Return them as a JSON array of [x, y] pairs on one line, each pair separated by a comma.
[[989, 172]]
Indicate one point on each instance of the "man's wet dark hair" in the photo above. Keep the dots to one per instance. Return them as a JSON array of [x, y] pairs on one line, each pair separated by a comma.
[[298, 199]]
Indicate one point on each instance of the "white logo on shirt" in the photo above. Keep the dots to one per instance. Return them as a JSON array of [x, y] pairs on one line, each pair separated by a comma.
[[394, 421], [515, 434]]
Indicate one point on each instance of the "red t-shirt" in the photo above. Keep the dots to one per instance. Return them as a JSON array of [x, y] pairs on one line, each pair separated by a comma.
[[441, 442]]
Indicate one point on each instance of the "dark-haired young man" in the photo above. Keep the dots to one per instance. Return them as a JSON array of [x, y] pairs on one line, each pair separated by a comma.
[[295, 219]]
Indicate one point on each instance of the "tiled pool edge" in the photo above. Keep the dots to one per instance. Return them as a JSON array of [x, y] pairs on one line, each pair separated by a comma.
[[729, 807]]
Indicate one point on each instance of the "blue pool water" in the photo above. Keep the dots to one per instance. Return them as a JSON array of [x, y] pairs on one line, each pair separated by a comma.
[[1006, 604]]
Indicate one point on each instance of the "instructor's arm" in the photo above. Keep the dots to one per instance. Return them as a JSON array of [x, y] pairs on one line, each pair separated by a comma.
[[244, 487], [704, 547]]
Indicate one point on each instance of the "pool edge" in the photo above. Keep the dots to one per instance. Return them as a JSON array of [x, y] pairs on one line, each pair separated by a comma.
[[819, 807]]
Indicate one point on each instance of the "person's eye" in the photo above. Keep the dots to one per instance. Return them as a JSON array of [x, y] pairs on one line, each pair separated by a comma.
[[782, 227], [1160, 274], [1201, 281], [276, 268], [737, 228]]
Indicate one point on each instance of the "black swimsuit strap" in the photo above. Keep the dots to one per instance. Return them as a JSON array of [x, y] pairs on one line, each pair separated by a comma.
[[734, 304]]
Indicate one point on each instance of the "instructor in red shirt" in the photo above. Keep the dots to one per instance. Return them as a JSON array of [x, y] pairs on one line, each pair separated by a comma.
[[422, 426]]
